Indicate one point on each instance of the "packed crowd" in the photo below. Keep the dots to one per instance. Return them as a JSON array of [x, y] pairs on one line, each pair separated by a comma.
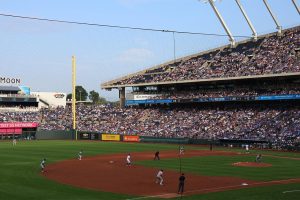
[[218, 93], [270, 55], [7, 116], [277, 124]]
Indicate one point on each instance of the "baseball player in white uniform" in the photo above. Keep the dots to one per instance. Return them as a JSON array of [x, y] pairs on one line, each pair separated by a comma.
[[14, 142], [181, 150], [247, 148], [159, 177], [128, 160], [80, 155], [43, 165]]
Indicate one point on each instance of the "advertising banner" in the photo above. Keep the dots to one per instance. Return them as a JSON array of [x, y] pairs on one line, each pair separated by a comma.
[[10, 131], [131, 138], [110, 137], [84, 136], [144, 96], [18, 125]]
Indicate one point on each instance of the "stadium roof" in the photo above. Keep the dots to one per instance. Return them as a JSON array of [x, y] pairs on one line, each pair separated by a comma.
[[210, 80], [113, 83]]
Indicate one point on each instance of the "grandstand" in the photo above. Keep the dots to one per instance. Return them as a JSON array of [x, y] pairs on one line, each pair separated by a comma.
[[250, 92], [271, 57], [19, 110], [12, 98]]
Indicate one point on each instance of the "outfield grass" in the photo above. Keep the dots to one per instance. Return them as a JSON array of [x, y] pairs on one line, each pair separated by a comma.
[[20, 179], [222, 166]]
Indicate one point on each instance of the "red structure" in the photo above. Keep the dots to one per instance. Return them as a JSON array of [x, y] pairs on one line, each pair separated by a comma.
[[16, 128]]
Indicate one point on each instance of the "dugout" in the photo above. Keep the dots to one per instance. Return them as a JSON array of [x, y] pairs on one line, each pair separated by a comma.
[[239, 143]]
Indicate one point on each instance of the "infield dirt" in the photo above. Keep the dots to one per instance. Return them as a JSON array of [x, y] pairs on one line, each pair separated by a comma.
[[99, 173]]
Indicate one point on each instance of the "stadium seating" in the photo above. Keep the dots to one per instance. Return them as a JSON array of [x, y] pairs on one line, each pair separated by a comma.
[[268, 55], [278, 124]]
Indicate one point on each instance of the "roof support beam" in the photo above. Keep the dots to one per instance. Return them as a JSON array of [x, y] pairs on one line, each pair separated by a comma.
[[278, 27], [254, 33], [296, 6], [231, 38]]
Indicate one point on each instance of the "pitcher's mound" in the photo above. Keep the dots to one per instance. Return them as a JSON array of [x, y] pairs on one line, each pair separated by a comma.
[[251, 164]]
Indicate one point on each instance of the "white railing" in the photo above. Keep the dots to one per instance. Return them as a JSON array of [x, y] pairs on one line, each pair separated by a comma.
[[18, 95], [19, 109]]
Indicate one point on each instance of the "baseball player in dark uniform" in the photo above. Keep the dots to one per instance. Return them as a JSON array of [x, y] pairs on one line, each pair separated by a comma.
[[156, 156], [181, 184]]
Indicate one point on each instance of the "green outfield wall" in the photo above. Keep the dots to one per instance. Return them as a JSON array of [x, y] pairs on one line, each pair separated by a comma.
[[54, 135]]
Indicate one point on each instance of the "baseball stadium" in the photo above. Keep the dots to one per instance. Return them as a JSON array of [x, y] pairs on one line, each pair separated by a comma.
[[218, 124]]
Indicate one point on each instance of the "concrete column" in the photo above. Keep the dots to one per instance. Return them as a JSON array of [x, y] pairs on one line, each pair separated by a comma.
[[122, 97]]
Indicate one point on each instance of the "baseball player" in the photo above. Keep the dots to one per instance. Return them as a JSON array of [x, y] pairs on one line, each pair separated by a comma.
[[159, 177], [80, 155], [181, 184], [258, 158], [181, 150], [14, 142], [156, 156], [43, 165], [128, 160], [247, 148]]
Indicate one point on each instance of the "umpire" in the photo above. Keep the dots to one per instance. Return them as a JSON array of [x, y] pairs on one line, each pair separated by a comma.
[[181, 184]]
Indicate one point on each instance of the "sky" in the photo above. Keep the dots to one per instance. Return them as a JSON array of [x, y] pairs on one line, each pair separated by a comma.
[[40, 53]]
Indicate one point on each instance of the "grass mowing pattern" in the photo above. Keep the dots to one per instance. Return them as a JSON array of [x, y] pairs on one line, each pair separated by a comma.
[[20, 167], [20, 179], [222, 166]]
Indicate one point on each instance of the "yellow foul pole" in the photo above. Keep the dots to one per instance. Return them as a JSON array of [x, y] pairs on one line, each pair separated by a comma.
[[74, 94]]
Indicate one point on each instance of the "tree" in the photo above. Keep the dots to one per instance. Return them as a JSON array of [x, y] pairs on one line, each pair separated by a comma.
[[69, 96], [102, 100], [81, 93], [96, 99], [94, 96]]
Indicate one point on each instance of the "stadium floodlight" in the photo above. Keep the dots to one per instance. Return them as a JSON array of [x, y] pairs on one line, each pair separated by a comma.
[[279, 28], [296, 6], [247, 19], [212, 4]]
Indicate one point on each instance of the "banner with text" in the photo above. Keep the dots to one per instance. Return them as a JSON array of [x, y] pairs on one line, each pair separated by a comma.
[[131, 138], [110, 137], [18, 125]]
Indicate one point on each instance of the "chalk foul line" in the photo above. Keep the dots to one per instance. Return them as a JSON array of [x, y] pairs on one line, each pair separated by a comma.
[[225, 187], [290, 191], [154, 196]]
